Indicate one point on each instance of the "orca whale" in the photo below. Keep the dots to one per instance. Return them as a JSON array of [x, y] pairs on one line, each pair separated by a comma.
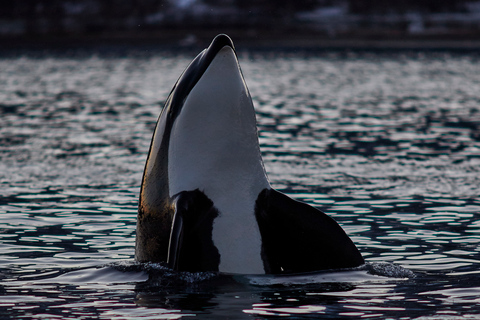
[[205, 201]]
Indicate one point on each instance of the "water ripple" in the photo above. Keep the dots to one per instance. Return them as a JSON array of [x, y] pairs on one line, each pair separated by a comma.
[[387, 144]]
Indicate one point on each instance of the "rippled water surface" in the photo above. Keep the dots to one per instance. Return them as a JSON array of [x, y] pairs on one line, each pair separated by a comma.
[[386, 143]]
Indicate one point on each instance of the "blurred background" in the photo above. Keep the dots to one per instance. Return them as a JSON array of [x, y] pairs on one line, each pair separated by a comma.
[[192, 22]]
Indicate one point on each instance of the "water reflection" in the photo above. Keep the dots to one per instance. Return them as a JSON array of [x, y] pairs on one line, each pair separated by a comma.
[[311, 294], [387, 144]]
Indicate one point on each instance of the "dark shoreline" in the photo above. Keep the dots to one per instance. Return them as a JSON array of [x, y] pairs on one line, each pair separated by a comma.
[[245, 39]]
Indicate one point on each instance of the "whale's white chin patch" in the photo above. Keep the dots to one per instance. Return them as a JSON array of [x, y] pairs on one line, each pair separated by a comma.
[[214, 148]]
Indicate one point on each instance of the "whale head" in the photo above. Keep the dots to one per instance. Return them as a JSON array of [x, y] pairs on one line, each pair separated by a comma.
[[205, 200], [206, 138]]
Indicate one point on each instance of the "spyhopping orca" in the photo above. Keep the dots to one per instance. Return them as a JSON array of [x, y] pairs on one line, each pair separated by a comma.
[[205, 201]]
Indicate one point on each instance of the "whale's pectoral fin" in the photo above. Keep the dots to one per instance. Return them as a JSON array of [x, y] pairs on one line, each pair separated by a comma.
[[299, 238], [191, 247]]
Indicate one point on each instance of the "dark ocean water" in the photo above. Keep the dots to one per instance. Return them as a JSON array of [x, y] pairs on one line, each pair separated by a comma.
[[386, 143]]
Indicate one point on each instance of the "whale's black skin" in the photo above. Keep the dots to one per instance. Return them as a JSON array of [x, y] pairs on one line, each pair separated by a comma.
[[177, 229], [191, 247], [299, 238], [295, 236]]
